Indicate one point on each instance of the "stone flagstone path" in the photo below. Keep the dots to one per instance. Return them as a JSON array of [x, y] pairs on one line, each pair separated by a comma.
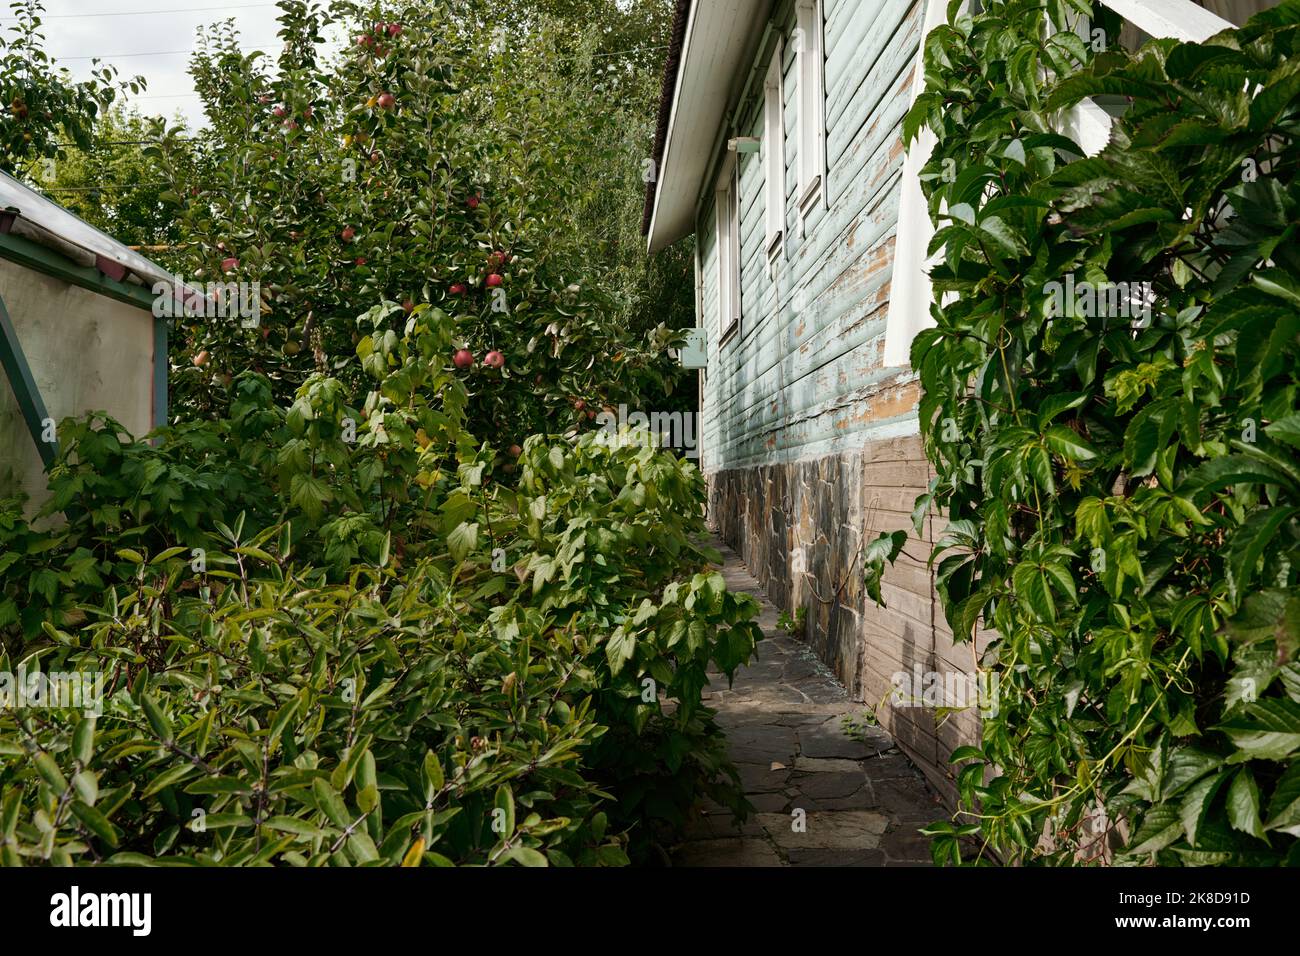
[[784, 719]]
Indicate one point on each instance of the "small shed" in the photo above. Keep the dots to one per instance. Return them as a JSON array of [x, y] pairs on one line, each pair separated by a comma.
[[78, 333]]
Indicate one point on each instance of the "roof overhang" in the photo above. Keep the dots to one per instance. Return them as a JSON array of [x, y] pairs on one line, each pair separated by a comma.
[[718, 45], [40, 234]]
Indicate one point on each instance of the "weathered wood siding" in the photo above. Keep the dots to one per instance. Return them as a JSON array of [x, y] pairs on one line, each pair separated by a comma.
[[803, 377], [809, 444]]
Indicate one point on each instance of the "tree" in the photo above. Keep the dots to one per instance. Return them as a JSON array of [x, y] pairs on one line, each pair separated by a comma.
[[424, 164], [113, 186], [43, 107]]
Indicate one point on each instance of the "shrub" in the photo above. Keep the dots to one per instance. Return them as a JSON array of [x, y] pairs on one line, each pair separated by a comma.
[[517, 657], [1123, 487], [268, 717]]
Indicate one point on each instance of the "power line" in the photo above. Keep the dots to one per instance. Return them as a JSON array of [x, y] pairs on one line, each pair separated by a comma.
[[120, 56], [144, 13], [101, 188], [639, 49]]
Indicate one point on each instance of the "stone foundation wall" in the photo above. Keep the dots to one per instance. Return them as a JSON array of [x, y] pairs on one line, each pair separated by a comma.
[[800, 528]]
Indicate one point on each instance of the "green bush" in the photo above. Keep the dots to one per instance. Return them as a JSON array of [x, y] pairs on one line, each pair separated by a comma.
[[1123, 483], [336, 631], [266, 717], [260, 710]]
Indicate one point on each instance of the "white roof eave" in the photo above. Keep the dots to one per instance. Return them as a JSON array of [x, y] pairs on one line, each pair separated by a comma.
[[720, 40]]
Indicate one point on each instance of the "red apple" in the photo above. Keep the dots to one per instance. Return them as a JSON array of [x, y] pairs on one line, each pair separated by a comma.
[[348, 233], [408, 306], [515, 451], [457, 288], [472, 202], [463, 358], [496, 260], [495, 359], [364, 40], [229, 264], [394, 29], [387, 101], [493, 281], [580, 404], [278, 112], [360, 260]]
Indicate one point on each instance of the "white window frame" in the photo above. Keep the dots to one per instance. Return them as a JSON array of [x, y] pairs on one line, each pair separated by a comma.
[[810, 78], [726, 218], [774, 153], [911, 292]]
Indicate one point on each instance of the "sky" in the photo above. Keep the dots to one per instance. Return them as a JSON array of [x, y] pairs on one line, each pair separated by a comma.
[[143, 37]]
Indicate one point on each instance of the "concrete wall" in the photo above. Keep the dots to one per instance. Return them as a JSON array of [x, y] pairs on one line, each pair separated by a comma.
[[87, 352]]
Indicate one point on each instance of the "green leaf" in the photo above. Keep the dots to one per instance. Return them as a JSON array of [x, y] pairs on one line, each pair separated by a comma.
[[95, 822], [293, 825], [1195, 804], [526, 856], [1219, 473], [162, 727], [432, 772], [1248, 542], [83, 740], [1054, 404], [1267, 730], [885, 549], [1161, 826], [504, 802], [310, 494], [1033, 590], [48, 768], [330, 803], [619, 649], [1285, 429], [463, 540], [1243, 804], [1068, 444], [1271, 614], [1284, 805]]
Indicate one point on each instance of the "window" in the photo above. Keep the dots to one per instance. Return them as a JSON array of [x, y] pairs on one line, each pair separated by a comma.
[[727, 219], [774, 154], [809, 67]]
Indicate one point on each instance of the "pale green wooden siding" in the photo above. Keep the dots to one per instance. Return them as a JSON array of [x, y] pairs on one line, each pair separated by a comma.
[[804, 382]]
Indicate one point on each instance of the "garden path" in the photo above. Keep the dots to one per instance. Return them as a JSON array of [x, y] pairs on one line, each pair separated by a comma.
[[801, 743]]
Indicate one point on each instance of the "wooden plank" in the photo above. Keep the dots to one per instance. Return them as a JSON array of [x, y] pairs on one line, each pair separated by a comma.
[[1180, 19]]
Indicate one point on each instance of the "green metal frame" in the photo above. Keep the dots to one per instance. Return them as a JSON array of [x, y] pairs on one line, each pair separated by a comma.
[[24, 385], [160, 368]]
